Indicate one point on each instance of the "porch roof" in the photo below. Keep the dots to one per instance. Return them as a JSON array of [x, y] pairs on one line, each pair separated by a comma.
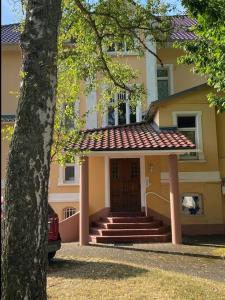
[[138, 136]]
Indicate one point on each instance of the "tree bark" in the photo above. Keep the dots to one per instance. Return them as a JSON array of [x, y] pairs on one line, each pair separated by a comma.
[[24, 259]]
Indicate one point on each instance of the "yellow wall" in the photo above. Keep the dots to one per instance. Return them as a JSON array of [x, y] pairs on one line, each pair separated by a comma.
[[220, 124], [96, 184], [54, 186], [10, 82], [60, 206], [194, 102], [183, 77], [213, 128], [4, 156], [211, 193]]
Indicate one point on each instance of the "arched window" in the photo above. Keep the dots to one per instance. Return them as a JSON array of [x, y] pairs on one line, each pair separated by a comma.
[[68, 212]]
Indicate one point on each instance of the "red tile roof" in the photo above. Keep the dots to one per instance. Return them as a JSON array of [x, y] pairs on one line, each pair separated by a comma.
[[138, 136]]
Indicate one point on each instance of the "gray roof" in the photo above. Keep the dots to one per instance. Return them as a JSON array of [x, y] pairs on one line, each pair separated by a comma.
[[155, 104], [181, 30], [8, 118], [10, 34]]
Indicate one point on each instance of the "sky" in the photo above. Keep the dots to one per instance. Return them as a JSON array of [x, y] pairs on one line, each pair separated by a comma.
[[11, 11]]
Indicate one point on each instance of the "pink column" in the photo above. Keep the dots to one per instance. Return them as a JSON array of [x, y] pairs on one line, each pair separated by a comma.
[[174, 201], [84, 205]]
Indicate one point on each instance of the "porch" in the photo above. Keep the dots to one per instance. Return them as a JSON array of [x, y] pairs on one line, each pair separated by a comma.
[[124, 151]]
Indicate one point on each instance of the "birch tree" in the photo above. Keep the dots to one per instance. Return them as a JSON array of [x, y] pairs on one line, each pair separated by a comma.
[[25, 242]]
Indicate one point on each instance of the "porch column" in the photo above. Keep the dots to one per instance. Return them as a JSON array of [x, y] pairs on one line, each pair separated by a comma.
[[174, 201], [84, 203]]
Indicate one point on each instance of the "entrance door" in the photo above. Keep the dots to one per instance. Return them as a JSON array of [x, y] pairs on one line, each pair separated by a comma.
[[125, 187]]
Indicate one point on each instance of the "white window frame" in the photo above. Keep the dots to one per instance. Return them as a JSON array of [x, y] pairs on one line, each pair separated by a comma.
[[61, 179], [2, 183], [191, 195], [169, 67], [124, 52], [116, 112], [198, 130], [70, 209]]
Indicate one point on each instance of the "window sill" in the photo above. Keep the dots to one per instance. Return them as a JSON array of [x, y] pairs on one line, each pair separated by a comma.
[[193, 161], [192, 216], [125, 53], [74, 183]]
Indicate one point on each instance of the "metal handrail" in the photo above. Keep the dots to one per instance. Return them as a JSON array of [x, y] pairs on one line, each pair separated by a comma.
[[153, 193]]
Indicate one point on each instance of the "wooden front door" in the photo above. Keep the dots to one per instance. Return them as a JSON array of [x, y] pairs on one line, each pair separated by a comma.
[[125, 187]]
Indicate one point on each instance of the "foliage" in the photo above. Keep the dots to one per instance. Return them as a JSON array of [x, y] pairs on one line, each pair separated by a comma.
[[207, 52], [88, 30]]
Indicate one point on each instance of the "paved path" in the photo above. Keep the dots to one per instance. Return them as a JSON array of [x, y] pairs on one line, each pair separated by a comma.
[[198, 260]]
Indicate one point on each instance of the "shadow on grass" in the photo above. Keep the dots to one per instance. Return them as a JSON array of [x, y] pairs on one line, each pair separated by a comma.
[[69, 268], [214, 241], [167, 252]]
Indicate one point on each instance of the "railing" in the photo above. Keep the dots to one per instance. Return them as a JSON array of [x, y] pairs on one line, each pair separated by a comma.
[[155, 194]]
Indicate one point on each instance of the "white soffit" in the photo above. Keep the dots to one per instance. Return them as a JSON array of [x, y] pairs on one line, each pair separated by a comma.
[[213, 176], [63, 197]]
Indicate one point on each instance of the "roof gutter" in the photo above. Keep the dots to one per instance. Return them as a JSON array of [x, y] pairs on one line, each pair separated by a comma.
[[140, 152]]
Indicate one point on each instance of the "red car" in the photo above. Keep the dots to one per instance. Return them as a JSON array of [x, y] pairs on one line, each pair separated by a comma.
[[54, 240]]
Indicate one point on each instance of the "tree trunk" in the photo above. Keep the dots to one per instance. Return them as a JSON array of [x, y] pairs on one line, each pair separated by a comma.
[[24, 261]]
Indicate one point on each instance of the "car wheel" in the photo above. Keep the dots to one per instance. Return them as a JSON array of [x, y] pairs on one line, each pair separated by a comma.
[[51, 255]]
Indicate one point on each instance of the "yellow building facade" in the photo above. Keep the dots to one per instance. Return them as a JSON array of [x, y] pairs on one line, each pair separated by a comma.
[[183, 107]]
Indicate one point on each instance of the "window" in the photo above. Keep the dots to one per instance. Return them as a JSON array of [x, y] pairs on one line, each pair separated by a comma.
[[119, 111], [191, 204], [164, 81], [71, 110], [123, 47], [68, 174], [111, 113], [68, 212], [188, 126]]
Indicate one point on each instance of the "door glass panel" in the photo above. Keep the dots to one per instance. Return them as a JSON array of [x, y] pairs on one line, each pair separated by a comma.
[[134, 169], [115, 173]]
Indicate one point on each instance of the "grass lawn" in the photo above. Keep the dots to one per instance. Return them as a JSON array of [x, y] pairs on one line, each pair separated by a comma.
[[80, 278]]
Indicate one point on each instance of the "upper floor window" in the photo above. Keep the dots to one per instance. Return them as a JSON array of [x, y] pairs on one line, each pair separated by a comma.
[[120, 112], [71, 110], [123, 47], [164, 81], [189, 123]]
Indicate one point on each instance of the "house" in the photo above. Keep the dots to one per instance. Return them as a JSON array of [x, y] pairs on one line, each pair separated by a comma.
[[168, 165]]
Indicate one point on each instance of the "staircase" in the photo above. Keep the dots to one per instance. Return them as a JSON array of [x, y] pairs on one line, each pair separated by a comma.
[[129, 228]]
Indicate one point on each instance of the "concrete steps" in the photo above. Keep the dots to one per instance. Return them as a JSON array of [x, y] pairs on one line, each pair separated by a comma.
[[127, 225], [126, 219], [157, 238], [128, 228]]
